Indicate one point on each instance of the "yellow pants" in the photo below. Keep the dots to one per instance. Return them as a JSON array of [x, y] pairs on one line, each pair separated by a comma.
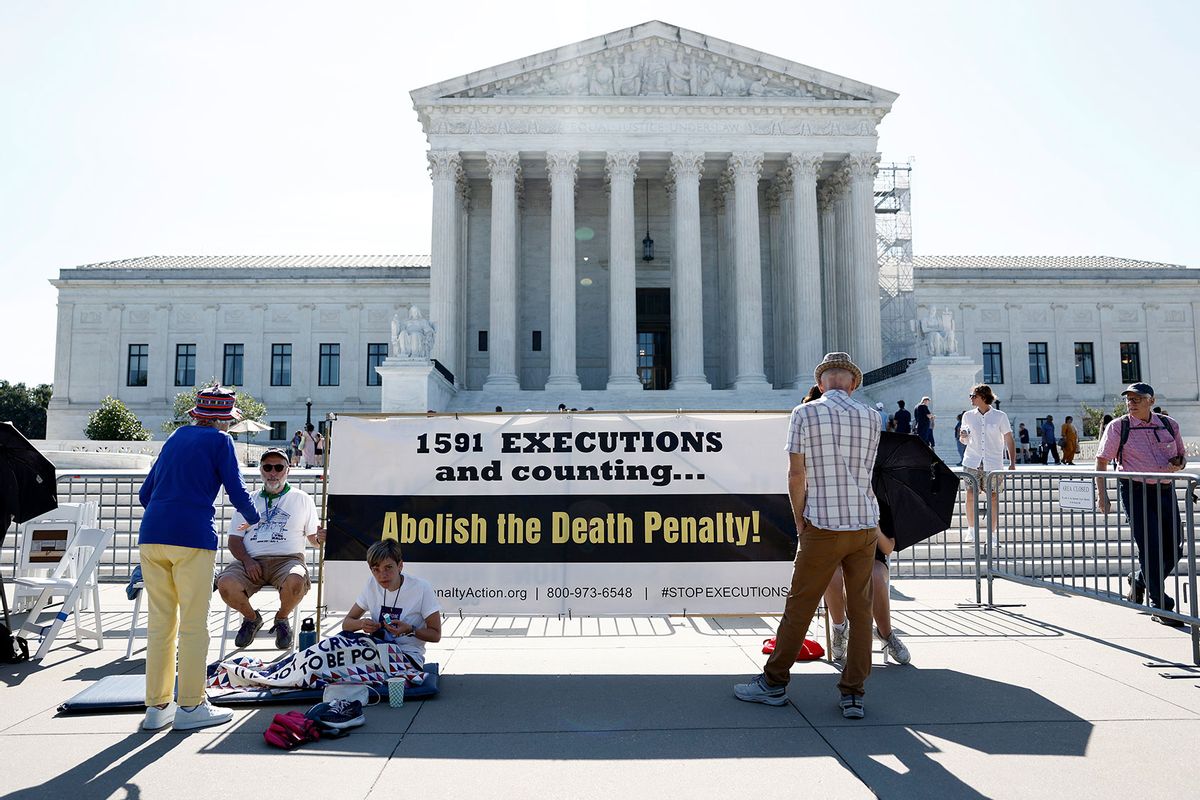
[[179, 584]]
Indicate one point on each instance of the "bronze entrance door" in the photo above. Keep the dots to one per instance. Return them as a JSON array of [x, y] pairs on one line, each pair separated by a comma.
[[654, 338]]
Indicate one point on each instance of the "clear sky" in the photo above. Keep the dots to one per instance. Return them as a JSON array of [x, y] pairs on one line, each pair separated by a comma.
[[162, 128]]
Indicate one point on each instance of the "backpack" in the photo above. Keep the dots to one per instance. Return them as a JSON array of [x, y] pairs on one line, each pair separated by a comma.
[[289, 731], [13, 649], [1125, 426]]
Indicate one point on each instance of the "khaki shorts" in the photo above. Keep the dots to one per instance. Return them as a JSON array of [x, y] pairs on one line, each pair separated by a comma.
[[979, 474], [275, 569]]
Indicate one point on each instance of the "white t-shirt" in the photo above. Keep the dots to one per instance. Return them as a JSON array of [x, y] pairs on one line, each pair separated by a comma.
[[985, 443], [410, 604], [284, 524]]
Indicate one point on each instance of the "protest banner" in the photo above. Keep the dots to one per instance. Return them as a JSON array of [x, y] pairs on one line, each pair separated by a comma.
[[601, 513]]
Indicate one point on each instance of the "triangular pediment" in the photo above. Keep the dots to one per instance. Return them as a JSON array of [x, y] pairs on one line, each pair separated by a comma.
[[654, 60]]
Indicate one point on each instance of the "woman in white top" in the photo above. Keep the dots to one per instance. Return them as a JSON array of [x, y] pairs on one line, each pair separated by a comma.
[[987, 434]]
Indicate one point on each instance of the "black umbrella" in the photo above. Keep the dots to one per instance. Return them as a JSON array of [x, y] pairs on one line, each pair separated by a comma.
[[28, 485], [915, 489]]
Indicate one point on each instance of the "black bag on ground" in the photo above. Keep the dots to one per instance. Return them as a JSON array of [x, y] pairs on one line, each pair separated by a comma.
[[13, 649]]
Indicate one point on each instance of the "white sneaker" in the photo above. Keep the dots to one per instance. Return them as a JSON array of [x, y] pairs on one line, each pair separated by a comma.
[[202, 716], [839, 637], [892, 646], [158, 718]]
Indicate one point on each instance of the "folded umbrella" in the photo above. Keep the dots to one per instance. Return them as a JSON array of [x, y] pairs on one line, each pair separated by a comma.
[[916, 490]]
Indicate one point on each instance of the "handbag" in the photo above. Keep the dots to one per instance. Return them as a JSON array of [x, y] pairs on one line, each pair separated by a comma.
[[348, 692]]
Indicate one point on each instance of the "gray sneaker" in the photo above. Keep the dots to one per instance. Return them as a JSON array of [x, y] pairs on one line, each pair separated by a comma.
[[249, 629], [837, 642], [892, 646], [852, 706], [759, 691], [283, 634]]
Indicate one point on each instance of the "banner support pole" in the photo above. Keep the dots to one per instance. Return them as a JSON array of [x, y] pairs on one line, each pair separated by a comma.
[[330, 418]]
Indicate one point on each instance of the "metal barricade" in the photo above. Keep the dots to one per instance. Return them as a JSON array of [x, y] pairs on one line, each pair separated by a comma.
[[116, 493], [952, 554], [1046, 528]]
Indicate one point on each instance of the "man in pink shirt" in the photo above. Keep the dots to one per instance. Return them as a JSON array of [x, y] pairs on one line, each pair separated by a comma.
[[1152, 443]]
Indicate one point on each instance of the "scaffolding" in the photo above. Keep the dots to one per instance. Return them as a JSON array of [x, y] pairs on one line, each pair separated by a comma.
[[893, 234]]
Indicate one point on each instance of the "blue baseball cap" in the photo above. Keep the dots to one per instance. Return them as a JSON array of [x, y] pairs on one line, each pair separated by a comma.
[[1139, 388]]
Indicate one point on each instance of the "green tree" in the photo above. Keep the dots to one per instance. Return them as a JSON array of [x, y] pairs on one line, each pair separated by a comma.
[[1093, 416], [114, 422], [186, 401], [25, 407]]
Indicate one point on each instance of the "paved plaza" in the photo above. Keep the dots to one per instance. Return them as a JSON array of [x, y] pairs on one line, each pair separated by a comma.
[[1049, 696]]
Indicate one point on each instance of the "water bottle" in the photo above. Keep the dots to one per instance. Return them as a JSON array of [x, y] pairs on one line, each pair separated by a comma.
[[308, 634]]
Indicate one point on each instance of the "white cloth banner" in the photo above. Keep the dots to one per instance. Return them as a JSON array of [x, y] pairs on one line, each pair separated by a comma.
[[545, 514]]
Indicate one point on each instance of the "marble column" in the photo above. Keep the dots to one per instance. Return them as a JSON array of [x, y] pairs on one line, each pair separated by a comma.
[[62, 352], [687, 322], [807, 291], [621, 169], [728, 266], [562, 166], [779, 297], [844, 322], [825, 221], [864, 261], [747, 168], [502, 276], [445, 167]]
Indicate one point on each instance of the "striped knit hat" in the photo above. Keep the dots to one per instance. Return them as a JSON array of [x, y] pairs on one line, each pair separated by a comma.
[[215, 403]]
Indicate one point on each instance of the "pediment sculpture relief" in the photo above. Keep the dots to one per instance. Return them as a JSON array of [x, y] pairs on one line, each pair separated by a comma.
[[655, 68]]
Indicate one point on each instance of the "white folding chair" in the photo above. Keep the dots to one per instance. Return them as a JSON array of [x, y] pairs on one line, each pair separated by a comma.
[[44, 542], [229, 612], [70, 579], [137, 608]]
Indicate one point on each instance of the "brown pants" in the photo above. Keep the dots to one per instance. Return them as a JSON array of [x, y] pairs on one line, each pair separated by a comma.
[[819, 554]]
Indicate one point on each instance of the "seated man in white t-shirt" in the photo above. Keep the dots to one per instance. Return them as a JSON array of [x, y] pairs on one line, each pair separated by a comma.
[[987, 434], [271, 551], [395, 607]]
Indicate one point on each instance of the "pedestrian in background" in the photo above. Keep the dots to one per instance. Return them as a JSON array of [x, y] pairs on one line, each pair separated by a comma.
[[902, 418], [177, 544], [1049, 441], [1070, 441]]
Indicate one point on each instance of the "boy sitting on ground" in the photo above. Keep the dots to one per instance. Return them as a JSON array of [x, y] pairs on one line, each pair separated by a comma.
[[395, 607]]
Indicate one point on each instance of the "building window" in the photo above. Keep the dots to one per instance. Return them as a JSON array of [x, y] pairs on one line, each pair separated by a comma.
[[483, 341], [279, 431], [231, 371], [377, 353], [993, 363], [281, 365], [139, 365], [1131, 363], [1039, 363], [537, 341], [1085, 363], [329, 367], [185, 365]]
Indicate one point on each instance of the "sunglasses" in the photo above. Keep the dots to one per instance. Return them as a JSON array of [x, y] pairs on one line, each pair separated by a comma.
[[273, 467]]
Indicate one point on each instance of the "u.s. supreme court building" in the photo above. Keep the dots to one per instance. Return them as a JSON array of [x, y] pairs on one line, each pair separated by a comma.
[[653, 218]]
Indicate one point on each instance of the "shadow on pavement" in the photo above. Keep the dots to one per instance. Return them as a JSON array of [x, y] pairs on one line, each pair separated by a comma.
[[106, 773]]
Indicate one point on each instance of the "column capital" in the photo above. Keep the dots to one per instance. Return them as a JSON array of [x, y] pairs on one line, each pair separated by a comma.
[[503, 164], [562, 164], [862, 165], [621, 164], [805, 165], [685, 166], [444, 164], [827, 193], [746, 165]]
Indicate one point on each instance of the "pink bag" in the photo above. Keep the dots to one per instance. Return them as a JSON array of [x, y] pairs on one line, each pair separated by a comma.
[[289, 731]]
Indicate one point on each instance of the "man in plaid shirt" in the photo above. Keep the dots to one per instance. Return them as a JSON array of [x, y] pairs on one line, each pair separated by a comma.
[[832, 444]]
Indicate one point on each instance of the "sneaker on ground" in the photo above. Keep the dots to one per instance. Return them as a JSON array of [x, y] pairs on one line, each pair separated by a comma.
[[340, 714], [249, 629], [1170, 622], [1137, 592], [201, 716], [158, 718], [838, 640], [894, 647], [852, 706], [759, 691], [283, 634]]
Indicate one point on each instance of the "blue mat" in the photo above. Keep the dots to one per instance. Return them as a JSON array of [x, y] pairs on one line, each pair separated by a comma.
[[128, 693]]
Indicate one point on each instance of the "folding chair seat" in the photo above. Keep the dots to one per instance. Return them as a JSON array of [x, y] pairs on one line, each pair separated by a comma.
[[70, 579]]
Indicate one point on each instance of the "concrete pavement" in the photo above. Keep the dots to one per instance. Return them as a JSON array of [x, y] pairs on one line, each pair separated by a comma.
[[1049, 696]]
